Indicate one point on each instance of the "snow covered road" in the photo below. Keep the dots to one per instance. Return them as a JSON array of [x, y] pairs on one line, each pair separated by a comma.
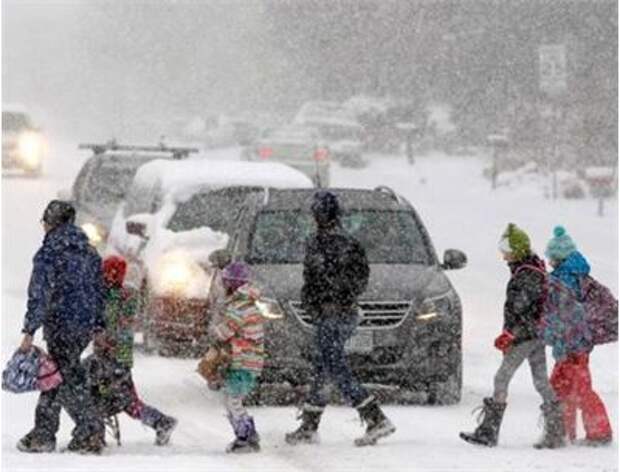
[[460, 211]]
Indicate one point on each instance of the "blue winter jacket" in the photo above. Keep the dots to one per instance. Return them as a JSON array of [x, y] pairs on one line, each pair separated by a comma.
[[571, 271], [66, 291]]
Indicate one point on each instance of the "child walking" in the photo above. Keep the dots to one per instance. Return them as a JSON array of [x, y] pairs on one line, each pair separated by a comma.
[[240, 329], [571, 378], [110, 368]]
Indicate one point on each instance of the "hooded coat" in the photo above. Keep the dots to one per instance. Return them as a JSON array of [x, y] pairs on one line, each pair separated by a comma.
[[66, 293]]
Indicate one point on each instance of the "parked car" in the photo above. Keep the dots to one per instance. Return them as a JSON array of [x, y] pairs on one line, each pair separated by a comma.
[[103, 181], [23, 145], [407, 347], [338, 128], [175, 215], [299, 147]]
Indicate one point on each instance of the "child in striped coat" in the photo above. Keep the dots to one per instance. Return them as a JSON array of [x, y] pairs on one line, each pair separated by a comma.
[[240, 328]]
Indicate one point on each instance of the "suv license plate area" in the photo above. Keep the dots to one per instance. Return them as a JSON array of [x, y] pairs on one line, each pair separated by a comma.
[[360, 342]]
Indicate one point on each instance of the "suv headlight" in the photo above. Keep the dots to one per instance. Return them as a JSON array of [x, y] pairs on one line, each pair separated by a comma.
[[31, 148], [95, 233], [270, 309], [176, 273], [432, 308]]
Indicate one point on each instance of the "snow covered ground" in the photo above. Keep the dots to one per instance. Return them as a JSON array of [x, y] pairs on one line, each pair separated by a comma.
[[460, 211]]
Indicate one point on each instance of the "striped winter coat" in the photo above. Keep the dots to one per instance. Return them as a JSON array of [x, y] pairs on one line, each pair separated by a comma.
[[241, 325]]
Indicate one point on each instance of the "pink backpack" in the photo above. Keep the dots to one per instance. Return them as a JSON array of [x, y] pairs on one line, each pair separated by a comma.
[[601, 310]]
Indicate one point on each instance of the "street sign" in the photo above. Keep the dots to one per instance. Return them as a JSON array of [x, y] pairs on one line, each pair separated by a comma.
[[552, 68]]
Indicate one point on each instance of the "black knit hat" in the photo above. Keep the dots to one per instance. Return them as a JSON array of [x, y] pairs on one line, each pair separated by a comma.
[[325, 207], [58, 212]]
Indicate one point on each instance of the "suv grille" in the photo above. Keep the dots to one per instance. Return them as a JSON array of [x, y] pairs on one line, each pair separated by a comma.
[[373, 314]]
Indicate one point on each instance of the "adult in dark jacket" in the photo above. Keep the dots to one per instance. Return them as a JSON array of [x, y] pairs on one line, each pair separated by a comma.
[[335, 274], [65, 298], [519, 341]]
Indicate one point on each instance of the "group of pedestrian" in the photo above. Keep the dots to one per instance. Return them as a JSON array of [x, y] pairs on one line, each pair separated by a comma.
[[525, 333], [77, 299]]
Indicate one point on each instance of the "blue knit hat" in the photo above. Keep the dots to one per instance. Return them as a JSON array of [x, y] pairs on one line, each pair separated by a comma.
[[560, 246]]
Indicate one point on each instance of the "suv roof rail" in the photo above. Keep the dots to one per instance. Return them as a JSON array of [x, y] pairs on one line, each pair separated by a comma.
[[112, 145], [389, 191]]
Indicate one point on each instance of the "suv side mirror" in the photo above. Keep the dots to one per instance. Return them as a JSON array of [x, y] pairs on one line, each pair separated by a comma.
[[220, 258], [136, 228], [453, 259]]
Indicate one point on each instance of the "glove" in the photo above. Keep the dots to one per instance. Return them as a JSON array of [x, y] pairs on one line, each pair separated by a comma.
[[504, 341]]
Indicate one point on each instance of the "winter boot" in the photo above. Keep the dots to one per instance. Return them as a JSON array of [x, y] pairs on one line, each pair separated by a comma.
[[34, 442], [307, 432], [487, 432], [554, 432], [94, 444], [162, 424], [595, 442], [378, 425], [247, 439]]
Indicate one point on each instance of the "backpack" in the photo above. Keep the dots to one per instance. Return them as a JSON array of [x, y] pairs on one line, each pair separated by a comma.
[[601, 310], [563, 322]]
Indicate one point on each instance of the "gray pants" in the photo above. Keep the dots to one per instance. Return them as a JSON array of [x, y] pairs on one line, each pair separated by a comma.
[[534, 352]]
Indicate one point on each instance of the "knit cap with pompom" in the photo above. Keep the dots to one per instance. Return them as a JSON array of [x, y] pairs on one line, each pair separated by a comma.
[[515, 241], [560, 246]]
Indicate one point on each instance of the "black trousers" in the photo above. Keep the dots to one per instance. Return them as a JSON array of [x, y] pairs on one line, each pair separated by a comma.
[[72, 394]]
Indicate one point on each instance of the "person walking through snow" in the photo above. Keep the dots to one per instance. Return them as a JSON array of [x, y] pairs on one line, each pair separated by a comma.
[[335, 274], [571, 378], [239, 329], [110, 368], [518, 342]]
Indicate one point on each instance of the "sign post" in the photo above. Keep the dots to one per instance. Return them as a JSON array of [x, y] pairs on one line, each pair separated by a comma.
[[553, 75]]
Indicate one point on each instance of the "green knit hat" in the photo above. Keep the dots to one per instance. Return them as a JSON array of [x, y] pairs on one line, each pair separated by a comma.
[[516, 242]]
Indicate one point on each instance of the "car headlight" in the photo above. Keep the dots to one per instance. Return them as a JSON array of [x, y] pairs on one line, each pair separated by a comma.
[[177, 273], [270, 309], [94, 232], [31, 147], [432, 308]]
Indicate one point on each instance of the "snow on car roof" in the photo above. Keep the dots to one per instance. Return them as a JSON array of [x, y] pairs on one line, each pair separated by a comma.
[[14, 108], [183, 176]]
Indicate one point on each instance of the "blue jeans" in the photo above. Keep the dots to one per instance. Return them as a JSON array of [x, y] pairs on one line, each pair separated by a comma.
[[330, 362]]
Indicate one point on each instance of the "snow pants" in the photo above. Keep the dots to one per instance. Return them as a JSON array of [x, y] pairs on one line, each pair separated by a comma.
[[142, 412], [72, 395], [332, 330], [237, 385], [572, 383], [534, 352]]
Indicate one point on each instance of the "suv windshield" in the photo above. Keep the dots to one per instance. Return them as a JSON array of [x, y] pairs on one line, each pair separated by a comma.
[[110, 181], [389, 237], [12, 121], [217, 210]]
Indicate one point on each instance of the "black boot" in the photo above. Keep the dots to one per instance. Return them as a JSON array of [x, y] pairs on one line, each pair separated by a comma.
[[34, 442], [378, 425], [308, 430], [554, 432], [487, 432], [94, 444]]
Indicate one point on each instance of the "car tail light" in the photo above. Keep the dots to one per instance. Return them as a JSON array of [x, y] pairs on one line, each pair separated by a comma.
[[265, 153], [321, 154]]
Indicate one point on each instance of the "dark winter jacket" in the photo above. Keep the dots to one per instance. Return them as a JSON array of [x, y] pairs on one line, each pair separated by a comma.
[[571, 272], [524, 299], [335, 270], [66, 292]]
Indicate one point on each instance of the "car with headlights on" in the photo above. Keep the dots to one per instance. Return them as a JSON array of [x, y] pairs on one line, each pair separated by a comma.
[[299, 147], [23, 145], [102, 182], [175, 215], [407, 346]]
